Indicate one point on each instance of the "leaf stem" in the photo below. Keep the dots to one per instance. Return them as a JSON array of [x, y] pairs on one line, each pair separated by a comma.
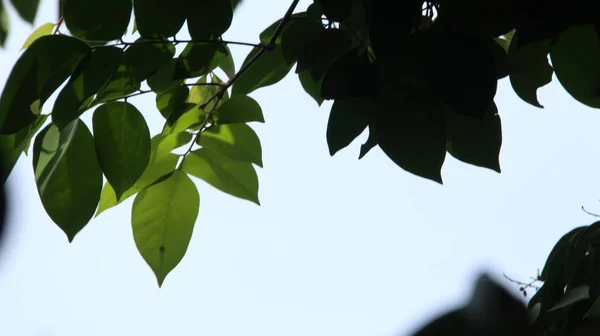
[[58, 24]]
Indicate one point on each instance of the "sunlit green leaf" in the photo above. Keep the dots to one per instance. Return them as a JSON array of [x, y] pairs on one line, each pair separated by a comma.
[[347, 120], [13, 145], [40, 70], [237, 178], [68, 176], [91, 74], [27, 9], [43, 30], [97, 20], [122, 143], [239, 109], [192, 116], [236, 141], [169, 142], [163, 218], [159, 18]]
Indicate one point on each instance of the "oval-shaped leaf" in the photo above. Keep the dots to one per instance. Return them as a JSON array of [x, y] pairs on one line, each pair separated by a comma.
[[68, 175], [159, 18], [27, 9], [572, 296], [531, 68], [325, 47], [162, 219], [311, 86], [236, 178], [13, 145], [350, 76], [208, 19], [171, 104], [91, 74], [239, 109], [143, 59], [269, 69], [575, 55], [43, 30], [369, 144], [40, 70], [122, 143], [97, 20], [347, 120], [236, 141], [475, 140], [198, 59]]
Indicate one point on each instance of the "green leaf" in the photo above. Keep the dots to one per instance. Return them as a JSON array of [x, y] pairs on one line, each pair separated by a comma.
[[369, 144], [531, 68], [68, 176], [13, 145], [4, 24], [122, 143], [297, 36], [410, 129], [201, 92], [475, 140], [575, 55], [227, 64], [198, 59], [120, 85], [347, 120], [97, 20], [161, 163], [164, 78], [236, 178], [312, 87], [163, 218], [159, 18], [572, 296], [169, 142], [324, 48], [193, 116], [239, 109], [40, 70], [236, 141], [269, 69], [209, 19], [89, 76], [27, 9], [43, 30], [555, 265], [143, 59], [172, 103]]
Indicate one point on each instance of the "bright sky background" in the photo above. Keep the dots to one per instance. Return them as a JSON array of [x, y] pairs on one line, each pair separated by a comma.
[[338, 247]]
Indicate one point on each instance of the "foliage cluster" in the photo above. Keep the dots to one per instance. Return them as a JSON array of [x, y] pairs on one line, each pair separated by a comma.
[[420, 76]]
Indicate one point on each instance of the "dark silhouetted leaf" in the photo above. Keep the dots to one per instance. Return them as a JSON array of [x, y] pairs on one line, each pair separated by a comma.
[[143, 59], [572, 296], [68, 176], [269, 69], [227, 64], [155, 18], [312, 87], [40, 70], [163, 219], [172, 103], [369, 144], [350, 76], [13, 145], [239, 109], [335, 10], [475, 140], [209, 19], [531, 69], [27, 9], [297, 35], [324, 48], [122, 143], [237, 178], [236, 141], [91, 74], [347, 120], [97, 20], [198, 59]]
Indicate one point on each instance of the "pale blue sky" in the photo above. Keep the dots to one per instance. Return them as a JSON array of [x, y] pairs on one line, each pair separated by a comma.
[[338, 247]]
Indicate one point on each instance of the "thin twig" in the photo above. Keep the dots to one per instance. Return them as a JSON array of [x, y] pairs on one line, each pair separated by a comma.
[[524, 284], [589, 213], [176, 42], [58, 24], [140, 92]]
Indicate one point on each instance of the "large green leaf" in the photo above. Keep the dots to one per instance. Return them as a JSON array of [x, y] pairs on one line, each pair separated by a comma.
[[347, 120], [161, 163], [164, 78], [91, 74], [575, 55], [475, 140], [198, 59], [122, 143], [194, 116], [236, 141], [239, 109], [162, 219], [13, 145], [410, 129], [43, 30], [172, 103], [159, 18], [269, 69], [324, 48], [208, 19], [40, 70], [27, 9], [143, 59], [68, 176], [531, 68], [97, 20], [237, 178]]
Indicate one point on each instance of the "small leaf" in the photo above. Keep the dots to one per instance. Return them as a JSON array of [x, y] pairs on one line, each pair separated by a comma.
[[68, 176], [89, 76], [239, 109], [13, 145], [161, 163], [163, 219], [209, 19], [159, 19], [236, 141], [43, 30], [574, 56], [475, 140], [347, 120], [269, 69], [572, 296], [198, 59], [312, 87], [531, 68], [97, 20], [324, 48], [40, 70], [122, 143], [236, 178], [27, 9], [227, 64]]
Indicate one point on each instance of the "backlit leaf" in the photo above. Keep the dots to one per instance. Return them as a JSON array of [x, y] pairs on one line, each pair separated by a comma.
[[347, 120], [236, 141], [162, 219], [198, 59], [239, 109], [43, 30], [13, 145], [97, 20], [159, 18], [208, 19], [269, 69]]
